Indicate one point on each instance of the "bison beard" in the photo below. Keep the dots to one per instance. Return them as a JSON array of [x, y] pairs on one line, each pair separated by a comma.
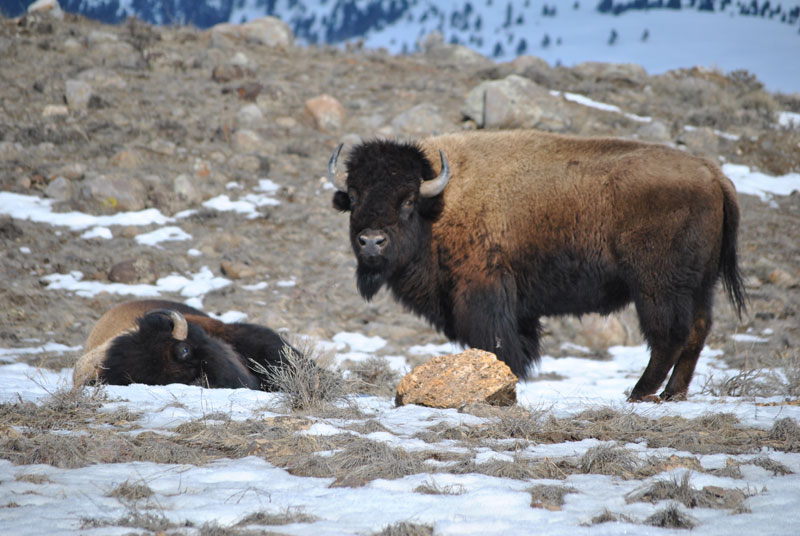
[[530, 224]]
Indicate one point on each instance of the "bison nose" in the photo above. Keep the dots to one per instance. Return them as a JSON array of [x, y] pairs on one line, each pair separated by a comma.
[[372, 243]]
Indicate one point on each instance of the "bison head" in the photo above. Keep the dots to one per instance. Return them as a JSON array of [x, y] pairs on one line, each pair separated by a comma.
[[392, 196], [165, 349]]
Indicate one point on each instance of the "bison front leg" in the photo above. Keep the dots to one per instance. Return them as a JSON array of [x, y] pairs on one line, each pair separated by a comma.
[[487, 320]]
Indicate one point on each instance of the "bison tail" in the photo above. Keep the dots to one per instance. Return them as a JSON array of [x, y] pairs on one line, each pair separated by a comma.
[[729, 266]]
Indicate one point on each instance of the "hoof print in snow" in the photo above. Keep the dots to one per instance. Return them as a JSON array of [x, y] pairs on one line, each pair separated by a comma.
[[453, 381]]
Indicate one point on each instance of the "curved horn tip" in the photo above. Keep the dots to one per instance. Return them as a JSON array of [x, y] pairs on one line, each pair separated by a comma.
[[339, 182], [180, 328], [436, 186]]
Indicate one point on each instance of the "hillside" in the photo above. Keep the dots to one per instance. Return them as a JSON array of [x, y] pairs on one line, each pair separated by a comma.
[[208, 137]]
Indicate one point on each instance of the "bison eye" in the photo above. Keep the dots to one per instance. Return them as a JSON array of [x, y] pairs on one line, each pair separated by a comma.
[[353, 197], [182, 352], [407, 207]]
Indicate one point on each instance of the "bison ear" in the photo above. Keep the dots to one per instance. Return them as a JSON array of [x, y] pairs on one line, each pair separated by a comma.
[[341, 201]]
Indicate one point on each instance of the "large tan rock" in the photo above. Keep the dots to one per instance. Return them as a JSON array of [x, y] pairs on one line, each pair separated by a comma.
[[452, 381], [326, 112]]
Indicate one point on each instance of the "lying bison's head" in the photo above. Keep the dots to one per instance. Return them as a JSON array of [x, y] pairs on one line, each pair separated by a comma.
[[165, 348], [391, 194]]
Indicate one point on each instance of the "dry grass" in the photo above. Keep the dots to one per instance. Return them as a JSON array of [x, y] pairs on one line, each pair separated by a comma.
[[374, 376], [285, 517], [303, 384], [549, 496], [33, 478], [671, 517], [610, 460], [405, 528], [431, 487], [777, 375], [607, 516], [128, 492], [680, 490]]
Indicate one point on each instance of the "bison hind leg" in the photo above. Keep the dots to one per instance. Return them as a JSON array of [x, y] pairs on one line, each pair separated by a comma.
[[666, 327], [678, 384]]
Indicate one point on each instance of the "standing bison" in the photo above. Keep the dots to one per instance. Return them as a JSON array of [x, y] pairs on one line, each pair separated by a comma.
[[158, 342], [483, 233]]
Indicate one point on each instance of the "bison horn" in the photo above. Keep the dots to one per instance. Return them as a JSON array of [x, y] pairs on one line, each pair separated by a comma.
[[339, 182], [180, 328], [436, 186]]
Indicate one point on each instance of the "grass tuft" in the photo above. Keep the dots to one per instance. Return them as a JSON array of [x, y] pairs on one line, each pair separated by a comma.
[[671, 517], [431, 487], [303, 384], [610, 460], [405, 528]]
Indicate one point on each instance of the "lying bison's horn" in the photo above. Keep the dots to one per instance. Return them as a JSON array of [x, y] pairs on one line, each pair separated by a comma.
[[180, 328], [339, 182], [436, 186]]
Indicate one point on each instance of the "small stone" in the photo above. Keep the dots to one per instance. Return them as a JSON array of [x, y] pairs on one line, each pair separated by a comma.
[[326, 112], [126, 159], [246, 162], [249, 115], [55, 110], [236, 270], [78, 94], [116, 193], [73, 171], [184, 187], [453, 381], [247, 141], [59, 189], [654, 131], [227, 72], [782, 278], [134, 271]]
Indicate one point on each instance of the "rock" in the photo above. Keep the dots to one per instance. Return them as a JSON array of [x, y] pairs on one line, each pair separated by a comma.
[[97, 37], [134, 271], [421, 120], [626, 73], [100, 78], [73, 171], [236, 270], [126, 159], [654, 131], [269, 31], [118, 193], [248, 141], [453, 381], [227, 72], [78, 94], [701, 141], [514, 102], [184, 187], [59, 189], [55, 110], [249, 115], [48, 7], [433, 46], [782, 278], [326, 112], [246, 162]]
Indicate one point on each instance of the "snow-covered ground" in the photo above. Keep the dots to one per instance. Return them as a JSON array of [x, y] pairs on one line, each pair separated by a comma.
[[38, 499]]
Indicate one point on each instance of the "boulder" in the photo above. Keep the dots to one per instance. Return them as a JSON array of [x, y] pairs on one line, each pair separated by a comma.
[[78, 93], [452, 381], [326, 112], [269, 31], [514, 102], [420, 121], [116, 193], [134, 271]]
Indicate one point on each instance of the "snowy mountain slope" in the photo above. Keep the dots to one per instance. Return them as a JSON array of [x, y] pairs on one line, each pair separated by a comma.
[[759, 36]]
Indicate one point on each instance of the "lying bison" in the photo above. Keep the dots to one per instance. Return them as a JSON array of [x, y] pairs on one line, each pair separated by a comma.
[[160, 342], [483, 233]]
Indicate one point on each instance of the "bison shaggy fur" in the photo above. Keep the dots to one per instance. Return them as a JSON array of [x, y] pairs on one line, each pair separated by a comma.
[[483, 233]]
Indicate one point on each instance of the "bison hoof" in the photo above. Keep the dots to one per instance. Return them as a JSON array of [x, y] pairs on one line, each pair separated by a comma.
[[673, 397], [655, 399]]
